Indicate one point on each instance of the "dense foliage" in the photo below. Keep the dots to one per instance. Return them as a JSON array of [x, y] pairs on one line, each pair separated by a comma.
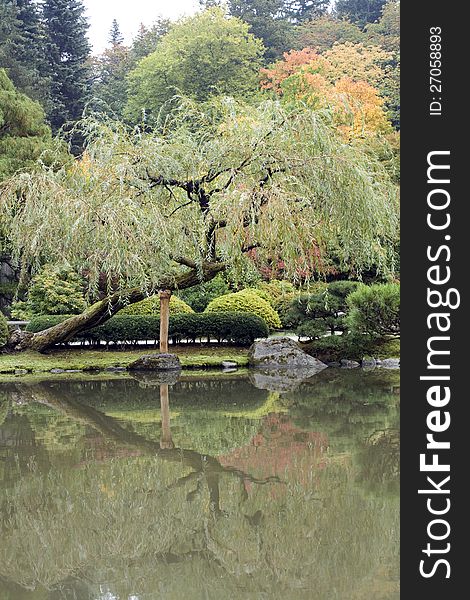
[[375, 310], [246, 301], [24, 135], [67, 49], [199, 296], [216, 181], [231, 327], [4, 334], [322, 311], [205, 55], [53, 291]]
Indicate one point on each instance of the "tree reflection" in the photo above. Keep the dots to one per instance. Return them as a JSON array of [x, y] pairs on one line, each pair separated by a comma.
[[150, 523]]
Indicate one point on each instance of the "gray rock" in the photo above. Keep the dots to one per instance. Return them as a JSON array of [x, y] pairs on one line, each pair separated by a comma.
[[368, 363], [349, 364], [156, 362], [73, 370], [115, 369], [21, 371], [228, 364], [57, 371], [390, 363], [282, 353]]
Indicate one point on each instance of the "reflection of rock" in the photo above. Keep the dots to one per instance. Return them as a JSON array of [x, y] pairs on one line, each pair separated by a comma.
[[156, 362], [280, 380], [390, 363], [272, 353], [349, 364], [156, 378]]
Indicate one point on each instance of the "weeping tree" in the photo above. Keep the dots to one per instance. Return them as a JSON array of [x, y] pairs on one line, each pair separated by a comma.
[[166, 207]]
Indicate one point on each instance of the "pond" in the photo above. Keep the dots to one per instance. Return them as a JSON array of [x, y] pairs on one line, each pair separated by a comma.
[[120, 488]]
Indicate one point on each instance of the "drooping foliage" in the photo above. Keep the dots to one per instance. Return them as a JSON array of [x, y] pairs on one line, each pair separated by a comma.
[[213, 183]]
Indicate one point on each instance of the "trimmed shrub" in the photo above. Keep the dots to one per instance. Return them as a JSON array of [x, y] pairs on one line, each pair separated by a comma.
[[4, 333], [234, 328], [151, 306], [246, 302], [53, 291], [199, 296], [375, 310]]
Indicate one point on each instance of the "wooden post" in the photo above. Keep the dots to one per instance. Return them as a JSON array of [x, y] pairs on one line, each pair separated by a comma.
[[165, 439], [165, 296]]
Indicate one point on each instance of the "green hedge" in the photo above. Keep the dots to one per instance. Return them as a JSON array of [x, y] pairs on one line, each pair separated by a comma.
[[234, 328], [246, 301], [151, 306]]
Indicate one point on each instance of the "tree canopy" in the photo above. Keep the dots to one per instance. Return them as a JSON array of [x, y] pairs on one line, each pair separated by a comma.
[[200, 56], [211, 184]]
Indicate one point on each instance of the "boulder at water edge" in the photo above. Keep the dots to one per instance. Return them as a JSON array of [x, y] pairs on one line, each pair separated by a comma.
[[282, 353], [156, 362]]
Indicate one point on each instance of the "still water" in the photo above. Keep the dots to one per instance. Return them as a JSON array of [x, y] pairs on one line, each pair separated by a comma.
[[212, 488]]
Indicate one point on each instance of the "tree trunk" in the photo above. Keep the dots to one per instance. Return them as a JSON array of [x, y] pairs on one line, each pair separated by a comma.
[[165, 296], [99, 313]]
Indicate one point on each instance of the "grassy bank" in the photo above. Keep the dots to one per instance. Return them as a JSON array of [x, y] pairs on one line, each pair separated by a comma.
[[91, 360]]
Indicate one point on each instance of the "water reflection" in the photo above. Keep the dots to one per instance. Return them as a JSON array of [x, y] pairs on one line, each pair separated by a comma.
[[204, 489]]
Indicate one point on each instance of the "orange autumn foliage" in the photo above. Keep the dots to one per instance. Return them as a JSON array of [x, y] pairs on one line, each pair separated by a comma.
[[306, 77]]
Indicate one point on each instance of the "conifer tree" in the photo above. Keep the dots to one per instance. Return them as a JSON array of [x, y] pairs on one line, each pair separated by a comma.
[[22, 48], [115, 36], [67, 50]]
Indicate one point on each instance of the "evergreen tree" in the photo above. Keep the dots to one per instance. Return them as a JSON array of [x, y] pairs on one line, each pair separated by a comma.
[[115, 36], [24, 135], [359, 12], [272, 21], [147, 39], [67, 53], [22, 47], [299, 11]]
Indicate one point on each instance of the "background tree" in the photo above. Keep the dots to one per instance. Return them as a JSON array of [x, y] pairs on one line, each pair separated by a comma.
[[323, 32], [115, 36], [67, 51], [24, 135], [110, 72], [22, 48], [330, 83], [147, 38], [167, 209], [386, 32], [359, 12], [272, 21], [201, 56]]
